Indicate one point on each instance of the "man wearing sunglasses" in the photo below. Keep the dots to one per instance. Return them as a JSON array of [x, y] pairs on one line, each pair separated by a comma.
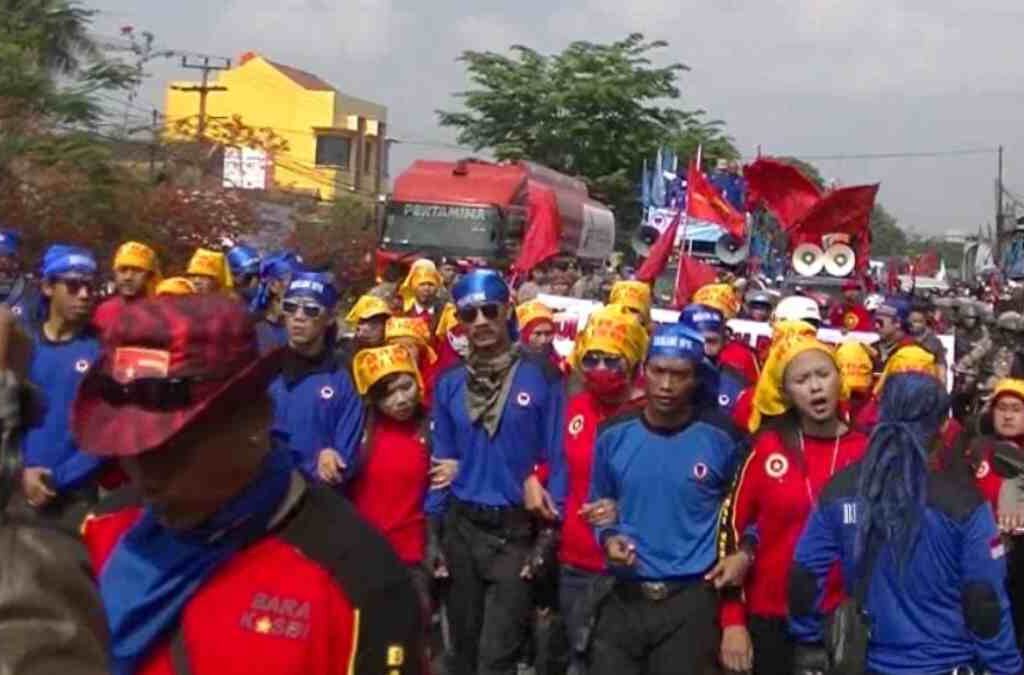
[[223, 558], [500, 414], [274, 273], [58, 480], [891, 322], [316, 408]]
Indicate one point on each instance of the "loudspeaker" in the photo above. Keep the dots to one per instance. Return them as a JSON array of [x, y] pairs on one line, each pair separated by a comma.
[[808, 259], [643, 239], [730, 250], [839, 260]]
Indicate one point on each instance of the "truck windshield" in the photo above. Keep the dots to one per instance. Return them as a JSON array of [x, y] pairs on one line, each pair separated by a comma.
[[460, 230]]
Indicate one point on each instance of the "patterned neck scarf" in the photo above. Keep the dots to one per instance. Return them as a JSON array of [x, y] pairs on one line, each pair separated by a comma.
[[487, 386]]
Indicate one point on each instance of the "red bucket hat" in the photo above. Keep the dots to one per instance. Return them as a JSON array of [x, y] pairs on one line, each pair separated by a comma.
[[165, 362]]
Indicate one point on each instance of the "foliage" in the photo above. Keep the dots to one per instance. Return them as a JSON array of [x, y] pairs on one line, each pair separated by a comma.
[[593, 110], [338, 238]]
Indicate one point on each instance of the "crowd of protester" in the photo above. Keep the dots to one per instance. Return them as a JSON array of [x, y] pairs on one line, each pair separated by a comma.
[[227, 472]]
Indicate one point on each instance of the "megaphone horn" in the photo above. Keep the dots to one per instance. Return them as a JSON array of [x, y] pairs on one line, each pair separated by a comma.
[[730, 250], [808, 259], [644, 238], [839, 260]]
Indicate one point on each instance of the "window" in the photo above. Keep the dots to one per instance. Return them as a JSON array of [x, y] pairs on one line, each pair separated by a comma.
[[367, 156], [333, 151]]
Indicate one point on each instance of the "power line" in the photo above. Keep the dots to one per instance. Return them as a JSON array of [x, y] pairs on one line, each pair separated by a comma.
[[893, 155]]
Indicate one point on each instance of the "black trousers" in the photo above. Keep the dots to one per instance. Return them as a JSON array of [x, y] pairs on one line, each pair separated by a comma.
[[675, 636], [773, 646], [490, 608]]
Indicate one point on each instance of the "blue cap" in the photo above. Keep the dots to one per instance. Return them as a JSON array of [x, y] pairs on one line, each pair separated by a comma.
[[280, 265], [895, 306], [674, 340], [480, 287], [61, 259], [243, 260], [10, 242], [315, 286], [702, 319]]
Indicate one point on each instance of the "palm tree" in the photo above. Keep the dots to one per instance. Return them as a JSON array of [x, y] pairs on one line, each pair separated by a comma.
[[62, 28]]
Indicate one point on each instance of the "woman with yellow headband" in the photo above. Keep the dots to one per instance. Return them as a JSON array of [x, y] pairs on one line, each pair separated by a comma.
[[414, 334], [607, 354], [391, 484], [802, 441]]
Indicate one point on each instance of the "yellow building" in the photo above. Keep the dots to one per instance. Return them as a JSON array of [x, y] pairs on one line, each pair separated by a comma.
[[336, 143]]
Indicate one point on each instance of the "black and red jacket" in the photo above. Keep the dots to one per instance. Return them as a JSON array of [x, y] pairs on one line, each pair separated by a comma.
[[320, 594]]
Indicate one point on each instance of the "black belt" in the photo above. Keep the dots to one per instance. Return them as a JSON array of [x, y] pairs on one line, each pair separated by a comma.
[[492, 517], [656, 591]]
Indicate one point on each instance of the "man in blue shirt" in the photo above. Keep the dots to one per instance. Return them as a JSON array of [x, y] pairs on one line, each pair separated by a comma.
[[275, 273], [500, 415], [709, 323], [16, 290], [668, 467], [317, 413], [58, 479]]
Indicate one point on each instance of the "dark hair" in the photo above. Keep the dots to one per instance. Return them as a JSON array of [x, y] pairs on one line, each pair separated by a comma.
[[894, 473], [922, 306], [393, 273]]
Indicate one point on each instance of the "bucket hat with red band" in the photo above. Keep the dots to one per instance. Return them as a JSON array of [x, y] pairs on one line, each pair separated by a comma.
[[168, 360]]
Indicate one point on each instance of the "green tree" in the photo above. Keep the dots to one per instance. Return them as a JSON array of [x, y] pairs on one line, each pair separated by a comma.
[[593, 110]]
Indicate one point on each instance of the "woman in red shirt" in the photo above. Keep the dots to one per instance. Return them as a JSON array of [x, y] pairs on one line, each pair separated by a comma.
[[801, 442], [606, 355], [414, 334], [392, 482]]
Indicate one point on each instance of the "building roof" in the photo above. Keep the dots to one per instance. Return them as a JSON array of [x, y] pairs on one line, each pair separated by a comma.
[[302, 78]]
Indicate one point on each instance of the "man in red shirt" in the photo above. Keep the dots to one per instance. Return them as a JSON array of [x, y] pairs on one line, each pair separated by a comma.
[[136, 275], [223, 559], [850, 314]]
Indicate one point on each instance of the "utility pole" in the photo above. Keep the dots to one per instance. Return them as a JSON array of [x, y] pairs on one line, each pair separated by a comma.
[[206, 64], [154, 143], [999, 207]]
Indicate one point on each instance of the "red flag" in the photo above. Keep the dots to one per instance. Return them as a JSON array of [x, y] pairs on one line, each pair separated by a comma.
[[703, 202], [786, 192], [844, 211], [892, 274], [692, 274], [926, 264], [656, 260], [544, 225]]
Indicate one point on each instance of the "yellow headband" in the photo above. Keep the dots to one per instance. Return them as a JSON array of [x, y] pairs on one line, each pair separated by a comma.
[[720, 296], [209, 263], [449, 319], [532, 311], [614, 330], [370, 366], [134, 254], [855, 365], [175, 286], [769, 393], [1010, 387], [909, 359], [633, 294], [411, 327], [422, 271], [367, 307]]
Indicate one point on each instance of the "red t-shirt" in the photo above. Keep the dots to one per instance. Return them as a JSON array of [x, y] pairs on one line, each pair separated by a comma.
[[105, 315], [742, 358], [277, 606], [389, 489], [776, 494], [579, 547], [854, 318]]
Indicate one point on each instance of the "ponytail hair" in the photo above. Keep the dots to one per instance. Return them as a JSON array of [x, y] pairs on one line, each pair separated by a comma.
[[892, 492]]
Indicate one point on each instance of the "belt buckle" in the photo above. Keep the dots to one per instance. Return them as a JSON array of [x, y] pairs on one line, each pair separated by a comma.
[[963, 670], [654, 590]]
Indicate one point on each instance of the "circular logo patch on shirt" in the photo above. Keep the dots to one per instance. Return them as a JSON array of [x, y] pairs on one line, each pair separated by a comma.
[[850, 320], [326, 393], [700, 470], [576, 425], [776, 465], [16, 310], [81, 365], [723, 399], [983, 469], [523, 399]]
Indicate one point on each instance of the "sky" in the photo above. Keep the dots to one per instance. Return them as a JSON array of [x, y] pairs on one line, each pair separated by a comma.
[[810, 78]]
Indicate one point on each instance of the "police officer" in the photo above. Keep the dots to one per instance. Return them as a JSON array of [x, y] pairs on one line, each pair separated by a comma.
[[500, 414], [316, 408], [668, 467], [970, 329]]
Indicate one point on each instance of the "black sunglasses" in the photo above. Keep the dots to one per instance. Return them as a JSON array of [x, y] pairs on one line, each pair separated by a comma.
[[469, 314], [591, 361], [75, 286], [291, 308], [155, 393]]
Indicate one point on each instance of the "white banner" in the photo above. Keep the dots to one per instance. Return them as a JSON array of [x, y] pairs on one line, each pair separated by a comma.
[[571, 314]]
